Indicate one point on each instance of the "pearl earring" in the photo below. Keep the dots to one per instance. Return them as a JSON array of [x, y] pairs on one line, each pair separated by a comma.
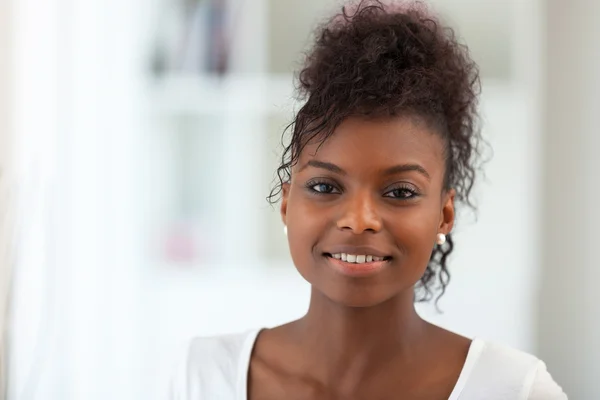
[[285, 230], [441, 239]]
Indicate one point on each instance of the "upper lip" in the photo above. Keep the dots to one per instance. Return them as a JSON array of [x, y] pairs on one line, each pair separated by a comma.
[[357, 250]]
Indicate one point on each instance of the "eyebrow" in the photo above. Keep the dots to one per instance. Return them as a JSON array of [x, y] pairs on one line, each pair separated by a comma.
[[396, 169], [324, 165], [407, 168]]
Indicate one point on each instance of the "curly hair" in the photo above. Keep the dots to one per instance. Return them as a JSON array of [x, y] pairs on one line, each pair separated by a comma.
[[376, 59]]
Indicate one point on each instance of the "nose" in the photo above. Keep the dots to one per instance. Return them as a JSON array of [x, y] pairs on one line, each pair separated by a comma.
[[360, 214]]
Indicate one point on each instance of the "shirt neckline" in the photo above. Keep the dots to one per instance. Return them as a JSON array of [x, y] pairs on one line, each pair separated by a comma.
[[244, 364], [475, 350]]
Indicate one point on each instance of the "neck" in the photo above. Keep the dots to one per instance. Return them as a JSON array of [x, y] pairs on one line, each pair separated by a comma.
[[342, 343]]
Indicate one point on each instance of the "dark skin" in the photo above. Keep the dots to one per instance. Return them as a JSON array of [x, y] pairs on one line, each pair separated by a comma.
[[374, 186]]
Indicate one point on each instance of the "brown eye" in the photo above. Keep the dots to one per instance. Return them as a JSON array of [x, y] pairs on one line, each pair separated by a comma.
[[323, 188], [402, 193], [317, 187]]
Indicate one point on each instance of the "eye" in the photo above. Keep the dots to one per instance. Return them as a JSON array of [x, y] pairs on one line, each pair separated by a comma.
[[403, 193], [322, 187]]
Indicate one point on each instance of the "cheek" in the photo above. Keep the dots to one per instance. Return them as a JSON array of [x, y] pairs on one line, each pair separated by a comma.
[[414, 230], [306, 225]]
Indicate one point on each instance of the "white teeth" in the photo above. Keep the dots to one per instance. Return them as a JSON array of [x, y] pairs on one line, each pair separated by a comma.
[[356, 258]]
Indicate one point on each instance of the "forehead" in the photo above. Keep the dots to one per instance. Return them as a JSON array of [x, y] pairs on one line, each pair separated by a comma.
[[378, 144]]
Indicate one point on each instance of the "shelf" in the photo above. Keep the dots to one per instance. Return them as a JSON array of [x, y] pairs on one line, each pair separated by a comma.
[[241, 95], [244, 95]]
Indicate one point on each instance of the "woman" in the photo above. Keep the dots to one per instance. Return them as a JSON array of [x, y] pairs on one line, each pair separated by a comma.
[[384, 148]]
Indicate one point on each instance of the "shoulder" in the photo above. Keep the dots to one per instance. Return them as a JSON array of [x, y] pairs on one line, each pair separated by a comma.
[[211, 367], [544, 387], [495, 371]]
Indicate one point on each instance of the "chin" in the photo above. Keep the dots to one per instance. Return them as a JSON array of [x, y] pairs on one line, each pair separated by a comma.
[[359, 297], [364, 290]]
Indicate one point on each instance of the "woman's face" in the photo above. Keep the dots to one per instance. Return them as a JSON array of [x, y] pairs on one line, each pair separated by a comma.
[[363, 210]]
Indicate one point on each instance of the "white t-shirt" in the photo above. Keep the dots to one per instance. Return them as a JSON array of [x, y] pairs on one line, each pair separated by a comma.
[[216, 368]]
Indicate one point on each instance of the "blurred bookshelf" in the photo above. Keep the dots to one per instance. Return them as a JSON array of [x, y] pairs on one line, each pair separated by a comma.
[[218, 139], [242, 95]]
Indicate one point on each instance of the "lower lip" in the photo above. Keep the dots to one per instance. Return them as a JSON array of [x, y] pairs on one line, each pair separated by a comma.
[[357, 270]]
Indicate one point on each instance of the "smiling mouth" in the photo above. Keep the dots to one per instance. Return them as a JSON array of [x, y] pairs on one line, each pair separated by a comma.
[[357, 258], [357, 265]]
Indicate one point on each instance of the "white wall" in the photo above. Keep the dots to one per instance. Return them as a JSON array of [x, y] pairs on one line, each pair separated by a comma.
[[6, 172], [569, 327]]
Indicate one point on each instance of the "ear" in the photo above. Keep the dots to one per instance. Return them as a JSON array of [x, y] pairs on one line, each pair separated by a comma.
[[285, 193], [447, 214]]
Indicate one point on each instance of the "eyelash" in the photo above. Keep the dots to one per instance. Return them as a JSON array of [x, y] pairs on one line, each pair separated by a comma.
[[316, 182], [404, 188]]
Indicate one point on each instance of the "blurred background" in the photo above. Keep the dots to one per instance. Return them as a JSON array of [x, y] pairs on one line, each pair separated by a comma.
[[139, 139]]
